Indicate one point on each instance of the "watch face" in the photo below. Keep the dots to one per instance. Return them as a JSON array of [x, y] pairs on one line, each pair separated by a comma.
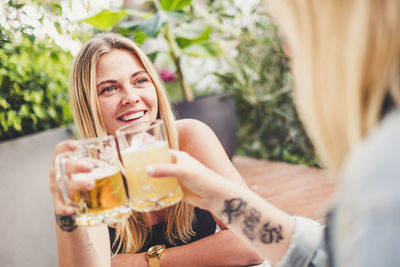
[[156, 250]]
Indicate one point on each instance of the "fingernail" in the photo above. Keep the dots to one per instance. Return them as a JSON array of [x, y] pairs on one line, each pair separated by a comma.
[[150, 170], [73, 145], [89, 184], [87, 167]]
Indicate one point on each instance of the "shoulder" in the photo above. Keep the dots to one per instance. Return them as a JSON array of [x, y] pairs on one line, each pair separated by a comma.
[[194, 133], [192, 126], [368, 198], [376, 159], [371, 174]]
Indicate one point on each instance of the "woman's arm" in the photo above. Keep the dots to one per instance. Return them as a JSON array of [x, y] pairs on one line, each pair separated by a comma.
[[220, 249], [77, 246], [260, 225]]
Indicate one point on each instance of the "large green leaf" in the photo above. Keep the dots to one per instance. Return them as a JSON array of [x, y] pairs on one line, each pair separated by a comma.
[[172, 5], [205, 50], [174, 16], [188, 34], [106, 19], [149, 27]]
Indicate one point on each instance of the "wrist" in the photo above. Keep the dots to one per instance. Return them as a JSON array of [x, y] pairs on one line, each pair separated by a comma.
[[154, 254]]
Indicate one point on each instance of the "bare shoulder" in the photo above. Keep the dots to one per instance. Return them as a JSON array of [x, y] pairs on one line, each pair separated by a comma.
[[190, 127], [194, 134], [198, 139]]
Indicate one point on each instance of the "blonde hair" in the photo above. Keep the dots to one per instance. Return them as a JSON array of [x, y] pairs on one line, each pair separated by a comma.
[[345, 59], [89, 123]]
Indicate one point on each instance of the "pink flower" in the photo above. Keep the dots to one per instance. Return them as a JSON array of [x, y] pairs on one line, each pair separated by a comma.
[[166, 75]]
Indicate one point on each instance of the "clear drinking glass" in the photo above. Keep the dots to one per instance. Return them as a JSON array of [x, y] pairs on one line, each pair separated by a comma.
[[107, 202], [139, 146]]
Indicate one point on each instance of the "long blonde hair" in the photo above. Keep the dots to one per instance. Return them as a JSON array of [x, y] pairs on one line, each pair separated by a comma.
[[346, 60], [89, 123]]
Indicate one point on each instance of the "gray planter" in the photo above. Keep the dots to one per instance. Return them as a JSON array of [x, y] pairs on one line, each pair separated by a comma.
[[218, 112]]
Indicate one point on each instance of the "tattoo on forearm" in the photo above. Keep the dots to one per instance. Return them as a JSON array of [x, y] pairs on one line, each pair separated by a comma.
[[251, 227], [270, 234], [250, 223], [66, 222], [233, 207]]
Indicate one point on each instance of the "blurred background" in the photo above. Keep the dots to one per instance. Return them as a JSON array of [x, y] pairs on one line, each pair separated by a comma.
[[199, 48]]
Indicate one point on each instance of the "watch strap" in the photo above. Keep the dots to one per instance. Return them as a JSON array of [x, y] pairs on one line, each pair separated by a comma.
[[153, 261]]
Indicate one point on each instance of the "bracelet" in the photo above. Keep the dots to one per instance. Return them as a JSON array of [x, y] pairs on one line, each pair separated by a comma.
[[66, 222]]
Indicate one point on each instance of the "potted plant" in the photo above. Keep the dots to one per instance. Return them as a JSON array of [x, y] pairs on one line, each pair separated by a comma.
[[185, 32]]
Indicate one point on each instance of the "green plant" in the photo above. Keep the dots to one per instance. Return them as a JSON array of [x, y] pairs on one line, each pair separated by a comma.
[[33, 84], [174, 22], [260, 81]]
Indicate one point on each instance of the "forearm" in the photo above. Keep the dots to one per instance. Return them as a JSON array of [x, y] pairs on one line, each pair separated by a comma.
[[220, 249], [85, 246], [258, 224]]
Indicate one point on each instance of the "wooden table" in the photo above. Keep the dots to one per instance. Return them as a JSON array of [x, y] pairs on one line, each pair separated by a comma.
[[296, 189]]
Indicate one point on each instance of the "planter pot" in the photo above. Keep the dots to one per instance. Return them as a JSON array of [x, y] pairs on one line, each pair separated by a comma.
[[218, 112]]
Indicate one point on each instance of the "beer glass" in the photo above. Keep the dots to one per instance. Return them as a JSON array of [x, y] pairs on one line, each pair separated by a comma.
[[107, 202], [139, 146]]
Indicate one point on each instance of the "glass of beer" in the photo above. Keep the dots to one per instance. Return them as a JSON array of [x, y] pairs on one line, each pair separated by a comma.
[[107, 202], [139, 146]]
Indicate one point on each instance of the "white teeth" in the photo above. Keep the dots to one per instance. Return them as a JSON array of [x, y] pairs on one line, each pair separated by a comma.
[[132, 116]]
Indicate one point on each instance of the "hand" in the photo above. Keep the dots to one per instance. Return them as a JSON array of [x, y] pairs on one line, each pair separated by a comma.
[[198, 183], [60, 207]]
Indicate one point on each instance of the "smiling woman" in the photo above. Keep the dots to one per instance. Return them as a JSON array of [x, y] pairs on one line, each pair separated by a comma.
[[114, 84]]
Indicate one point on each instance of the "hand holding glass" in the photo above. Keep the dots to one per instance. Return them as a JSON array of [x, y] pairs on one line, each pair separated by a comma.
[[106, 202], [139, 146]]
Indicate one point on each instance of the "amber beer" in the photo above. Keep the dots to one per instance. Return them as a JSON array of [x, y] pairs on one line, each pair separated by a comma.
[[107, 198], [107, 202], [141, 146]]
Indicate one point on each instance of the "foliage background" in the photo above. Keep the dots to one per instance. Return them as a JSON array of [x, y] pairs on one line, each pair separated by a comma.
[[244, 44], [33, 85]]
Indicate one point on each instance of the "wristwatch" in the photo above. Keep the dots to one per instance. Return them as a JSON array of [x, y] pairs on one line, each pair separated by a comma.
[[153, 255]]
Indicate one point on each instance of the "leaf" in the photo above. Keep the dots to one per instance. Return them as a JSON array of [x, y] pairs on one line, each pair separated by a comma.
[[106, 19], [174, 16], [192, 31], [152, 56], [172, 5], [58, 27], [188, 34], [39, 111], [205, 50], [149, 27]]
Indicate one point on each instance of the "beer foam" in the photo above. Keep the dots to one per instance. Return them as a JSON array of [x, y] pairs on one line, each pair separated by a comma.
[[95, 174], [147, 147]]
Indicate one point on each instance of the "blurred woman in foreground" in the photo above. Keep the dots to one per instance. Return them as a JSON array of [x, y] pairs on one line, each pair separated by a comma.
[[346, 65]]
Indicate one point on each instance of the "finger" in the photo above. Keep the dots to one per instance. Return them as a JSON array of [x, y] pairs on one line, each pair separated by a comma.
[[68, 145], [64, 146], [72, 187], [62, 209], [73, 166], [164, 170], [75, 186]]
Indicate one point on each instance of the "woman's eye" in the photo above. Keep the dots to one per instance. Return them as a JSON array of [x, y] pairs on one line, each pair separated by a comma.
[[141, 81], [107, 89]]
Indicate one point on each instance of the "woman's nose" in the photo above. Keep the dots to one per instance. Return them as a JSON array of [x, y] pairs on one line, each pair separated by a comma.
[[130, 97]]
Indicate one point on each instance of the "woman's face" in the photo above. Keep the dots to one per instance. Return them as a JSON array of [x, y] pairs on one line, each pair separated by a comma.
[[125, 91]]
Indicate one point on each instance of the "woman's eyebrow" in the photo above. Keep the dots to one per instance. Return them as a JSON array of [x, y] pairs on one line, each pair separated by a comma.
[[115, 81]]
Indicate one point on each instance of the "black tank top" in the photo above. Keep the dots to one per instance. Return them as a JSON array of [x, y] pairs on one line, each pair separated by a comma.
[[204, 225]]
